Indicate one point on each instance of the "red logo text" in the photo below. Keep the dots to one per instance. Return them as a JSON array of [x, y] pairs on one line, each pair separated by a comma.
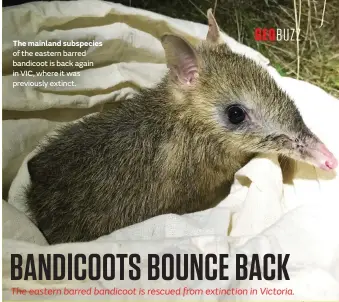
[[275, 34]]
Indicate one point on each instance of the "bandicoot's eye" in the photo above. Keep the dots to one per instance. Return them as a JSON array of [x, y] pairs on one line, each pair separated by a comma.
[[236, 114]]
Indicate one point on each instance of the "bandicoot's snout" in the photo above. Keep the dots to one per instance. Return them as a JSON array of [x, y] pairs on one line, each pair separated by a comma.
[[308, 148], [321, 157]]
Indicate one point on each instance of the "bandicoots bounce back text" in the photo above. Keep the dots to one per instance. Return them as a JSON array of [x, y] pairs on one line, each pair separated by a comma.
[[166, 267]]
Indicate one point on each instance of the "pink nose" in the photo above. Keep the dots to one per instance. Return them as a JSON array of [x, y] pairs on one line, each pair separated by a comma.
[[324, 158]]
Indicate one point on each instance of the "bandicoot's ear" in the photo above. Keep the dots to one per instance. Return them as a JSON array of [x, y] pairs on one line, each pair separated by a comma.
[[181, 59], [213, 35]]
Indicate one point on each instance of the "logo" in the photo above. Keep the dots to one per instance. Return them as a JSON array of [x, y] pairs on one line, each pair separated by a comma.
[[276, 34]]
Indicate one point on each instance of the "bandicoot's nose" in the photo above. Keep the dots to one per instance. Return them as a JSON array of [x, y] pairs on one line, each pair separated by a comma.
[[323, 158]]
